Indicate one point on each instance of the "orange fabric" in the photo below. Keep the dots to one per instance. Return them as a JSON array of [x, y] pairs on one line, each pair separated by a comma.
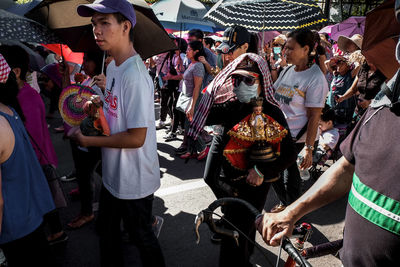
[[67, 53]]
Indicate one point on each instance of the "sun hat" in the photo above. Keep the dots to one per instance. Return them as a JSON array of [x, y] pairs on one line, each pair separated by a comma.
[[344, 40], [108, 7]]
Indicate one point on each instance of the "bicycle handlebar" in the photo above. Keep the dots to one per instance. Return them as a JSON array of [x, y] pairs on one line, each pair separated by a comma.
[[302, 232]]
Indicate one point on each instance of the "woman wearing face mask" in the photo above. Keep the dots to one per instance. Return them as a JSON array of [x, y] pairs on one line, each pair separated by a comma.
[[192, 81], [243, 161], [301, 90]]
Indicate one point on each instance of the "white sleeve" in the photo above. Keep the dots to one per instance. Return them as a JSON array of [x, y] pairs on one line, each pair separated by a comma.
[[137, 101], [317, 92], [330, 139]]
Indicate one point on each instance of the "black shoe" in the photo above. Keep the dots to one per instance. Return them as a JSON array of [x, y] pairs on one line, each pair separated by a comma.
[[170, 137], [180, 150], [58, 240]]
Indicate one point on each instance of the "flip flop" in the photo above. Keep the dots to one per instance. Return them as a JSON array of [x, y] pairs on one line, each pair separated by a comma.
[[80, 221]]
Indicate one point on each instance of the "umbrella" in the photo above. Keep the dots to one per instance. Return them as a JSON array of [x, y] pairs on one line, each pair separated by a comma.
[[380, 38], [266, 15], [36, 62], [61, 16], [327, 29], [348, 27], [17, 28], [66, 53], [182, 15], [22, 9]]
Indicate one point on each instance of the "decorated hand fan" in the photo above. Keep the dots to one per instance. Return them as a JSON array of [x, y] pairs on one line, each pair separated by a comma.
[[71, 103]]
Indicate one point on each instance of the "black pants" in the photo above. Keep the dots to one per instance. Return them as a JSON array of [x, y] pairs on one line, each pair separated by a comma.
[[288, 189], [85, 165], [167, 99], [53, 222], [232, 255], [30, 250], [137, 217]]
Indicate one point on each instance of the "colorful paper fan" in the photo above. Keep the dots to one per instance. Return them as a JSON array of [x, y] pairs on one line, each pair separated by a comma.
[[71, 103]]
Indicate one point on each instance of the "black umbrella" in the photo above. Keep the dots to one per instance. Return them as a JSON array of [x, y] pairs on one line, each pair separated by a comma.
[[36, 61], [17, 28], [267, 15], [150, 37]]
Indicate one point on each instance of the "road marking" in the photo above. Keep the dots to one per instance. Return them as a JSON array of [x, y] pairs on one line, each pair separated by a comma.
[[179, 188]]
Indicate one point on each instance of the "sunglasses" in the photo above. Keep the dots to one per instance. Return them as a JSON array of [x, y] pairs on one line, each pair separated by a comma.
[[248, 80]]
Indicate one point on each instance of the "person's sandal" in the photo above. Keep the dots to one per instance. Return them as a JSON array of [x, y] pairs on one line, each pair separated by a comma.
[[80, 221]]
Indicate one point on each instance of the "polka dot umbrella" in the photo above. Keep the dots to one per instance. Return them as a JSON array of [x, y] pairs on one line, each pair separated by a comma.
[[16, 28]]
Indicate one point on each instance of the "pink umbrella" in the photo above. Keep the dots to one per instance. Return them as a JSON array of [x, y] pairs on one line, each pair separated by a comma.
[[348, 27], [327, 29]]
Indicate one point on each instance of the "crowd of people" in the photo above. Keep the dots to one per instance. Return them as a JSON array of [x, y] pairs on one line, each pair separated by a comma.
[[257, 113]]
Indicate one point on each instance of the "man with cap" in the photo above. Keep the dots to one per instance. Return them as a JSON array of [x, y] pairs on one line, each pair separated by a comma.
[[129, 155], [235, 42], [369, 175]]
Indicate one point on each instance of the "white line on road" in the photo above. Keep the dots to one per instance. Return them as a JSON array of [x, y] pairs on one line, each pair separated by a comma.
[[180, 188]]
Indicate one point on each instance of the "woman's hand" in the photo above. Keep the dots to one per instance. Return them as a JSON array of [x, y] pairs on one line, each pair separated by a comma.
[[202, 60], [76, 135], [253, 178], [340, 98], [307, 160], [190, 112]]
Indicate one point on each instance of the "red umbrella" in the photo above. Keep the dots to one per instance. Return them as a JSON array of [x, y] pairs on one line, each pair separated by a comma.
[[66, 52], [380, 38]]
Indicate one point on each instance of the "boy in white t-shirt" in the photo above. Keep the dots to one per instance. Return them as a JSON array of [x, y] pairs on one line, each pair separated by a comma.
[[131, 171]]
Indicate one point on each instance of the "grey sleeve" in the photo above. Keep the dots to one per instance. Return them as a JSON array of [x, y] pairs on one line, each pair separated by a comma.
[[198, 70]]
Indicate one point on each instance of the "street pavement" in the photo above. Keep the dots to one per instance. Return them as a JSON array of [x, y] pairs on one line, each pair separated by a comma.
[[181, 196]]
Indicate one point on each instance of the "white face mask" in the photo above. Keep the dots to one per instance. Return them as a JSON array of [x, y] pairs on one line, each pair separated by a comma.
[[246, 92]]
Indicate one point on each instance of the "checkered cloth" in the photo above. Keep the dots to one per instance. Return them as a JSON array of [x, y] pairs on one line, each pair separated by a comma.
[[4, 70], [220, 90]]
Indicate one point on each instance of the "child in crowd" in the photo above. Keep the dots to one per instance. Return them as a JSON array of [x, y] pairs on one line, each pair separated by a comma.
[[329, 135]]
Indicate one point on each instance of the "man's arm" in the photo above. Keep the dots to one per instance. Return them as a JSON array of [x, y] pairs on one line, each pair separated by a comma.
[[332, 185], [132, 138]]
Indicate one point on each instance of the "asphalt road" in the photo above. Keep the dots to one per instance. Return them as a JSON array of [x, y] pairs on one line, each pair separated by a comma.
[[181, 196]]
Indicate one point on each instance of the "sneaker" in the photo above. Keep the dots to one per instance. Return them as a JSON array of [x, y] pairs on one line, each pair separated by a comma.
[[69, 177], [161, 125], [180, 130], [203, 154], [170, 137], [157, 224], [59, 239]]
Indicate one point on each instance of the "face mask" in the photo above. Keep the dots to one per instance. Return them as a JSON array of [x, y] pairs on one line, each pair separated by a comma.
[[246, 92]]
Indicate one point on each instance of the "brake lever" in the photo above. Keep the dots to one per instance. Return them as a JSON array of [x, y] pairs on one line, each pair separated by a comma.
[[199, 220]]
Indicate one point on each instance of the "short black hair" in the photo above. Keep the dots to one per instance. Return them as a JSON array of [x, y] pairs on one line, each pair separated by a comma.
[[121, 18], [209, 41], [328, 114], [16, 57], [9, 92], [97, 57], [196, 33]]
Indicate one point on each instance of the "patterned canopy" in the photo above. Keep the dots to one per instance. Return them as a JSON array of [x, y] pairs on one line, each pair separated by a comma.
[[17, 28], [267, 15]]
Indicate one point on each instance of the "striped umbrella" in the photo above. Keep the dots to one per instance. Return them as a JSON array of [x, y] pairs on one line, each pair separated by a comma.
[[267, 15]]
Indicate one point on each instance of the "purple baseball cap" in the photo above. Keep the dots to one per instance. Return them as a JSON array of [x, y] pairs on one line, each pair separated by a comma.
[[108, 7]]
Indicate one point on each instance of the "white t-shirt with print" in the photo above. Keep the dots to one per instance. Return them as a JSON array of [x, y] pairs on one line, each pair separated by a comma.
[[329, 138], [130, 173], [297, 91]]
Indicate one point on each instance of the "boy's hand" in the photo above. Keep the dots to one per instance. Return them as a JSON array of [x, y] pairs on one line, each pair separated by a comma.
[[100, 81]]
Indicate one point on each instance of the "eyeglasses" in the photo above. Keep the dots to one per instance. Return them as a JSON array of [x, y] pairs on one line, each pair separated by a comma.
[[248, 80]]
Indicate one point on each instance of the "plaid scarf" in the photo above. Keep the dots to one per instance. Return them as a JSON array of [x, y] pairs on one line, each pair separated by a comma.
[[220, 90], [4, 70]]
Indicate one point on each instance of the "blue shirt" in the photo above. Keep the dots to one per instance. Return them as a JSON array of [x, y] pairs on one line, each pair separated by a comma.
[[25, 189]]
